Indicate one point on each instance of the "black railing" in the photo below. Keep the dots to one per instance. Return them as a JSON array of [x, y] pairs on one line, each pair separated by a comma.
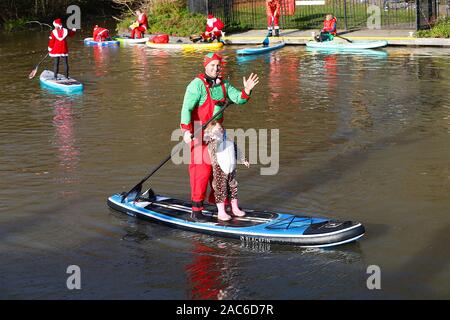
[[350, 14]]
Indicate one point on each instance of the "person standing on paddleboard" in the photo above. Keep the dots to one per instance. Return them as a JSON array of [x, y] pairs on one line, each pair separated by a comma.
[[203, 98], [273, 8], [57, 46]]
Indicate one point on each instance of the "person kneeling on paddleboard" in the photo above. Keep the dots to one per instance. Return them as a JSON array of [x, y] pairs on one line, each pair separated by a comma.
[[100, 34], [329, 29], [213, 30], [223, 154], [140, 26], [203, 98], [57, 46]]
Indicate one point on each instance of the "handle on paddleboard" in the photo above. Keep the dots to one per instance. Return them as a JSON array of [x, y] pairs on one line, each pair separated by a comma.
[[136, 190]]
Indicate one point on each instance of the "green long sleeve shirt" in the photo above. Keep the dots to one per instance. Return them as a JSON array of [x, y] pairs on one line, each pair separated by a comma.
[[196, 95]]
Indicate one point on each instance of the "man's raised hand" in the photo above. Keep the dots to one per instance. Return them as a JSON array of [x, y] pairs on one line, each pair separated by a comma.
[[250, 83]]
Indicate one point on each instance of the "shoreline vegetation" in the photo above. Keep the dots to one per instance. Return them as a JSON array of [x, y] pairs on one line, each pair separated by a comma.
[[440, 30], [16, 15], [164, 16], [171, 17]]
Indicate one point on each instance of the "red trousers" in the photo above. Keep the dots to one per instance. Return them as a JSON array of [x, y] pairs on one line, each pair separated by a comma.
[[200, 175], [273, 20], [138, 32]]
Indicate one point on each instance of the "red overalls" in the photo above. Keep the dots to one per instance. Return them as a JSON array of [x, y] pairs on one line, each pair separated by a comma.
[[200, 170]]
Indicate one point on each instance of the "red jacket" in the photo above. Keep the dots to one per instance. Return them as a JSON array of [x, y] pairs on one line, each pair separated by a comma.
[[100, 33], [142, 20], [212, 23], [272, 5], [57, 45], [330, 26]]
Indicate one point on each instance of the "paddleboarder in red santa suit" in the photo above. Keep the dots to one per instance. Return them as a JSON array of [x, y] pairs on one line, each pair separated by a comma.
[[213, 29], [203, 98], [57, 46], [142, 25]]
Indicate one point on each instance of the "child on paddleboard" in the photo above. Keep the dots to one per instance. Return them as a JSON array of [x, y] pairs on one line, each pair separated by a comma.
[[57, 46], [223, 154]]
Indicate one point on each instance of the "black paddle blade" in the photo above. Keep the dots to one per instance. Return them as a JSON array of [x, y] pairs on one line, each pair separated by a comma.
[[265, 43], [133, 193]]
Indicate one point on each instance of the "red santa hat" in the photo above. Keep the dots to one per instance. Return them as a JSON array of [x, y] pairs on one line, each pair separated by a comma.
[[210, 16], [57, 23]]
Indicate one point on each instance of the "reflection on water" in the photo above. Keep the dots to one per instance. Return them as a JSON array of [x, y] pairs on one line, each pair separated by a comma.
[[208, 273], [65, 141], [362, 137]]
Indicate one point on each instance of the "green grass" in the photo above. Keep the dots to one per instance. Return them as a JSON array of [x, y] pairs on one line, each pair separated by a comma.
[[440, 30], [168, 17]]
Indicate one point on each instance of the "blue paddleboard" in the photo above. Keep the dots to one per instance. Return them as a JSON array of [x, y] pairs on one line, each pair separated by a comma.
[[258, 226], [63, 84]]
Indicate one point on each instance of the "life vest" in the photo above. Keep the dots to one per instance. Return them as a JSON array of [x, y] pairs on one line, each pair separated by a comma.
[[330, 26]]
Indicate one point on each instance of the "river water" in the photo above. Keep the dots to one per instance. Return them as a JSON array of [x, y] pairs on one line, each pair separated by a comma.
[[361, 137]]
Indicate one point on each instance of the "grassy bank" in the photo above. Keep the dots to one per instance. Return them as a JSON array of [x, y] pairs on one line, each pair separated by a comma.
[[440, 30], [172, 18]]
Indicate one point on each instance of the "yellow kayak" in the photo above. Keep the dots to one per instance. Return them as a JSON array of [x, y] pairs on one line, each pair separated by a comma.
[[185, 46]]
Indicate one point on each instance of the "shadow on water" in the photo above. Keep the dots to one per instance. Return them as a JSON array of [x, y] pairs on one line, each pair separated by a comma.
[[431, 261], [39, 218]]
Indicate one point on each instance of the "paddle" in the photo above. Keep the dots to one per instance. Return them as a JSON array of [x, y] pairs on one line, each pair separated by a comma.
[[344, 38], [136, 190], [265, 42], [33, 72], [195, 38]]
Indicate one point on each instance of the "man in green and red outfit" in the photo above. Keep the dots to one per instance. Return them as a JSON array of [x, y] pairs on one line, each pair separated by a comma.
[[203, 98]]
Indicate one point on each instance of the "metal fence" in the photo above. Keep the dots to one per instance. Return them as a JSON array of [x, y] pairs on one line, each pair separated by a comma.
[[350, 14]]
